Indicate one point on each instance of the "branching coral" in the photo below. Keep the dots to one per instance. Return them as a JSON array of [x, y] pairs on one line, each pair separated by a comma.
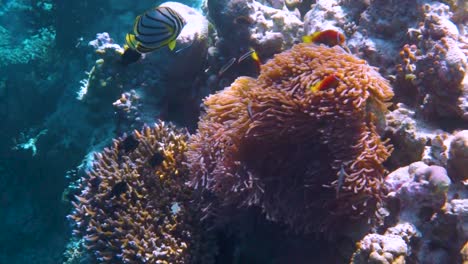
[[134, 206], [294, 151]]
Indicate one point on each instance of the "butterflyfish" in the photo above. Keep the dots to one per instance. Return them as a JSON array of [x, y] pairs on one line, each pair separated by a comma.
[[330, 81], [328, 37], [154, 29], [118, 189]]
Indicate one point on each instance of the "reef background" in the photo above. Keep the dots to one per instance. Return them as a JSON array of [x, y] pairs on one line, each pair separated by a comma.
[[44, 52], [47, 133]]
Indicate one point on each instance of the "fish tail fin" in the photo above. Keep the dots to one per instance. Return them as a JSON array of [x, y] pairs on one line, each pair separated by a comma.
[[307, 39], [172, 45], [315, 87]]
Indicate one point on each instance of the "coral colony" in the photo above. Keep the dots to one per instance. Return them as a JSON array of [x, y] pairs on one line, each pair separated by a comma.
[[134, 206]]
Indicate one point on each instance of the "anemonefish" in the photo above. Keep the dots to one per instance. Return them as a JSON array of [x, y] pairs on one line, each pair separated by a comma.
[[152, 30], [254, 55], [330, 81], [328, 37]]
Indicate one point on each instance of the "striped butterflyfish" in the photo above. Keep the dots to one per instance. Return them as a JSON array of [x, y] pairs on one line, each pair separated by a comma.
[[155, 29]]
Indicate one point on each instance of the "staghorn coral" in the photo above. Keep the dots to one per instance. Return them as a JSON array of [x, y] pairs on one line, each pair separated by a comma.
[[134, 206], [273, 142]]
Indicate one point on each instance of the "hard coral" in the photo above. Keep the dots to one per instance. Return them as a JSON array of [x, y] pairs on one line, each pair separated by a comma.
[[434, 66], [458, 156], [275, 143], [134, 206]]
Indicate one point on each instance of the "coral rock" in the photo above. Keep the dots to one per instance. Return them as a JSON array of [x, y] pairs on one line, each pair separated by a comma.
[[418, 187], [464, 253], [458, 156], [380, 249], [459, 208], [435, 65], [414, 139], [275, 143], [267, 29]]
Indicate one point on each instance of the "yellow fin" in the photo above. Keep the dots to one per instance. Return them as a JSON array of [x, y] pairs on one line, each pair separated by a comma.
[[135, 24], [255, 56], [315, 87], [171, 45], [131, 41], [306, 39], [310, 38]]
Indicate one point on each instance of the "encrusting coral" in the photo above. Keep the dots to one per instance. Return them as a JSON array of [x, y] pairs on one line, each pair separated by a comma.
[[134, 206], [302, 149]]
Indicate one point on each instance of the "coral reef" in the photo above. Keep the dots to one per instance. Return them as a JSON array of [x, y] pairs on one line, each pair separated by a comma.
[[163, 80], [20, 42], [427, 218], [375, 29], [386, 248], [266, 26], [325, 15], [417, 187], [275, 143], [134, 205], [267, 29], [414, 139], [35, 47], [434, 66]]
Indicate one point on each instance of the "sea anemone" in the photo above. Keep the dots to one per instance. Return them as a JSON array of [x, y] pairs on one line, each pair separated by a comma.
[[134, 206], [301, 147]]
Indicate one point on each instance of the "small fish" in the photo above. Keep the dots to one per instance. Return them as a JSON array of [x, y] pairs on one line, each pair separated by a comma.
[[249, 110], [328, 37], [130, 143], [156, 159], [256, 58], [254, 55], [154, 29], [245, 56], [330, 81], [118, 189], [226, 66], [184, 48], [341, 177]]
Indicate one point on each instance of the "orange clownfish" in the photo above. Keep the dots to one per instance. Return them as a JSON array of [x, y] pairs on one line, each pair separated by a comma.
[[328, 37], [330, 81]]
